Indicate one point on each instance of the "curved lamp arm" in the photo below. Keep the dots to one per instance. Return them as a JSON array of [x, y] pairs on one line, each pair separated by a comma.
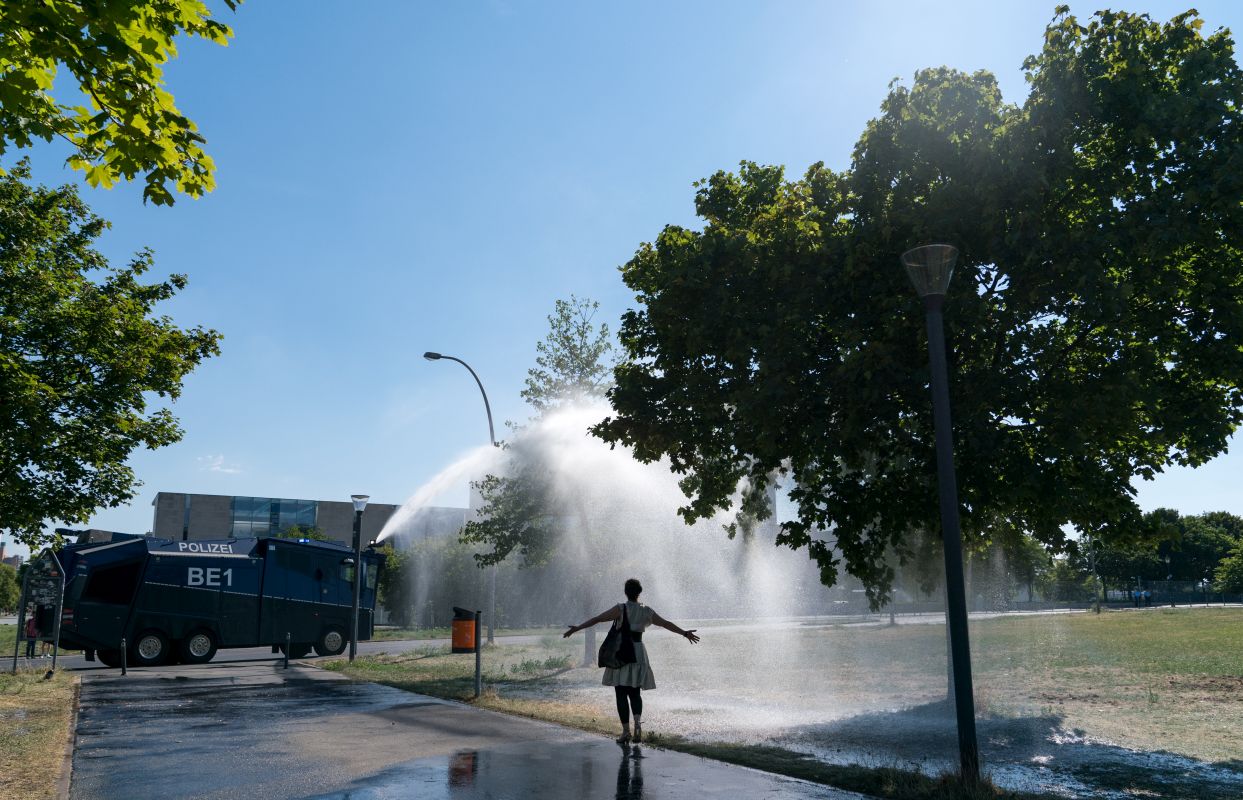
[[430, 356]]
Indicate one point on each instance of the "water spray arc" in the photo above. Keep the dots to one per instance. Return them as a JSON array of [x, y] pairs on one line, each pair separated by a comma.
[[487, 407]]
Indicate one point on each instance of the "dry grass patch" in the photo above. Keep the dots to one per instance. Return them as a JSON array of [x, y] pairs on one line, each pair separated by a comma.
[[34, 730]]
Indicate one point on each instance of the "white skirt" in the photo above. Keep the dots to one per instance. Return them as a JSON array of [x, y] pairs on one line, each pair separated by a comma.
[[637, 674]]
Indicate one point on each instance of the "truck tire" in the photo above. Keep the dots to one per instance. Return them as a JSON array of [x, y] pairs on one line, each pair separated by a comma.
[[199, 647], [109, 658], [331, 642], [150, 648]]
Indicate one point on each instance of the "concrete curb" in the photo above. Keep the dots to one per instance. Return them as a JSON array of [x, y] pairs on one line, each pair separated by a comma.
[[65, 779]]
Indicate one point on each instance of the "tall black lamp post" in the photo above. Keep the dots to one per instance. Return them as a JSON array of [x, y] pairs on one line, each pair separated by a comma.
[[430, 356], [930, 268], [360, 503]]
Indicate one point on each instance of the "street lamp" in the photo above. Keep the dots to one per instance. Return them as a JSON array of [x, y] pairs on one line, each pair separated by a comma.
[[430, 356], [360, 503], [930, 268], [1169, 579]]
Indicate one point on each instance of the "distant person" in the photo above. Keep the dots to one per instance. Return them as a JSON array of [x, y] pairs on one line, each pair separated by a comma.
[[1148, 597], [32, 633], [43, 621], [630, 680], [1135, 597]]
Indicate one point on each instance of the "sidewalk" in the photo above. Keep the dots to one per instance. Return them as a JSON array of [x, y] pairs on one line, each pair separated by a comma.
[[254, 730]]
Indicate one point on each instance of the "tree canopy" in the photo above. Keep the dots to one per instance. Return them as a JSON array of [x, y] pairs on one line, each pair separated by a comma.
[[122, 121], [10, 588], [521, 510], [1094, 321], [80, 353], [574, 361]]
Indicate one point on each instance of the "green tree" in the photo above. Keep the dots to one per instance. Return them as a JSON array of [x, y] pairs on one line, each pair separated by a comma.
[[122, 121], [522, 509], [303, 532], [1197, 549], [1195, 546], [81, 354], [516, 513], [574, 361], [396, 584], [1228, 577], [519, 510], [1093, 321], [10, 588], [1231, 524]]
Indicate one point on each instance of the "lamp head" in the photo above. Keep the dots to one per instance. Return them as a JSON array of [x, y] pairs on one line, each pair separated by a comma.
[[930, 267], [430, 356], [360, 501]]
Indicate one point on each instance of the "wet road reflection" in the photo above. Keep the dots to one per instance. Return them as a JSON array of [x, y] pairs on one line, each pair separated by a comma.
[[592, 770], [630, 778]]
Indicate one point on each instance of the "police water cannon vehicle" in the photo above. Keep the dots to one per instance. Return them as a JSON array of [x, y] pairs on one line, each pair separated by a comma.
[[182, 600]]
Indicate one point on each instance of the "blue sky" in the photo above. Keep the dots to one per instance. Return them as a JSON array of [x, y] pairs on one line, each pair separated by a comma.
[[396, 177]]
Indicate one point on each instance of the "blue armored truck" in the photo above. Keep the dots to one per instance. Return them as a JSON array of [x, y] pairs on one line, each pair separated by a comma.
[[171, 600]]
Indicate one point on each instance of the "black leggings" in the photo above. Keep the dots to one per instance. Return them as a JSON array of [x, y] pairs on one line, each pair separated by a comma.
[[631, 694]]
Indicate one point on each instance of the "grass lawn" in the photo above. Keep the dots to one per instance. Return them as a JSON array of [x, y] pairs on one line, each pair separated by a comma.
[[34, 730], [8, 636], [1160, 679], [1156, 679]]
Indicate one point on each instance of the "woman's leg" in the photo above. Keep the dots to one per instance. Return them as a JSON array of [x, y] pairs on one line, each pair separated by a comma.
[[623, 710], [636, 705]]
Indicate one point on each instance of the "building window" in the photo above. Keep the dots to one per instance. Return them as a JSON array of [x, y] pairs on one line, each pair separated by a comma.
[[256, 517]]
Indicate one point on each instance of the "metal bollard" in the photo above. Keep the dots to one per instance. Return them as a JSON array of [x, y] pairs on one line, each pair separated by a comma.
[[478, 660], [286, 649], [123, 658]]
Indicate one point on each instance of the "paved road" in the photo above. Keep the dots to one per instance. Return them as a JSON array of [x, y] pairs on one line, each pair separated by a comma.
[[252, 729]]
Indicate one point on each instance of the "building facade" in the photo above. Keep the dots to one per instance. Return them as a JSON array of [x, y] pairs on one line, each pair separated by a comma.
[[182, 516]]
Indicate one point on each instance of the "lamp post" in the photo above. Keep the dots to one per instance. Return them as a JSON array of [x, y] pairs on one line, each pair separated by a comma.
[[360, 503], [431, 356], [930, 268], [1169, 579]]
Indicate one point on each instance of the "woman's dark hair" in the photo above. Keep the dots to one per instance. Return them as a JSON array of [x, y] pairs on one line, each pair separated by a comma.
[[633, 589]]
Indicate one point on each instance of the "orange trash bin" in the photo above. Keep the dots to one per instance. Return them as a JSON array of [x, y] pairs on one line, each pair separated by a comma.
[[463, 628]]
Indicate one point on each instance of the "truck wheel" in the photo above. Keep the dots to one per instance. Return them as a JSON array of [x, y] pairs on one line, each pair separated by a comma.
[[199, 647], [331, 642], [150, 649], [109, 658]]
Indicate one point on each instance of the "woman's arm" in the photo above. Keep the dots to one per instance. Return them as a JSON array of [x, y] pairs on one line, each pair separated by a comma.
[[604, 616], [657, 619]]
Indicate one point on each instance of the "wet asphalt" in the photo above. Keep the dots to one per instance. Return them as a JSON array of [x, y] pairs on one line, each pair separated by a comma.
[[247, 729]]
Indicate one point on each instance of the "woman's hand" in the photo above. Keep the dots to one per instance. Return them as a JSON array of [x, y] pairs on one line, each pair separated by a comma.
[[691, 637], [573, 630]]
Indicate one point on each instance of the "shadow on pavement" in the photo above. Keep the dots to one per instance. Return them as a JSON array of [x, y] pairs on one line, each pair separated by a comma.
[[1032, 753]]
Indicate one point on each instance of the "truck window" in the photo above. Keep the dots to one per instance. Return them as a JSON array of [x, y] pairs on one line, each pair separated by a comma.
[[113, 584], [372, 569]]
